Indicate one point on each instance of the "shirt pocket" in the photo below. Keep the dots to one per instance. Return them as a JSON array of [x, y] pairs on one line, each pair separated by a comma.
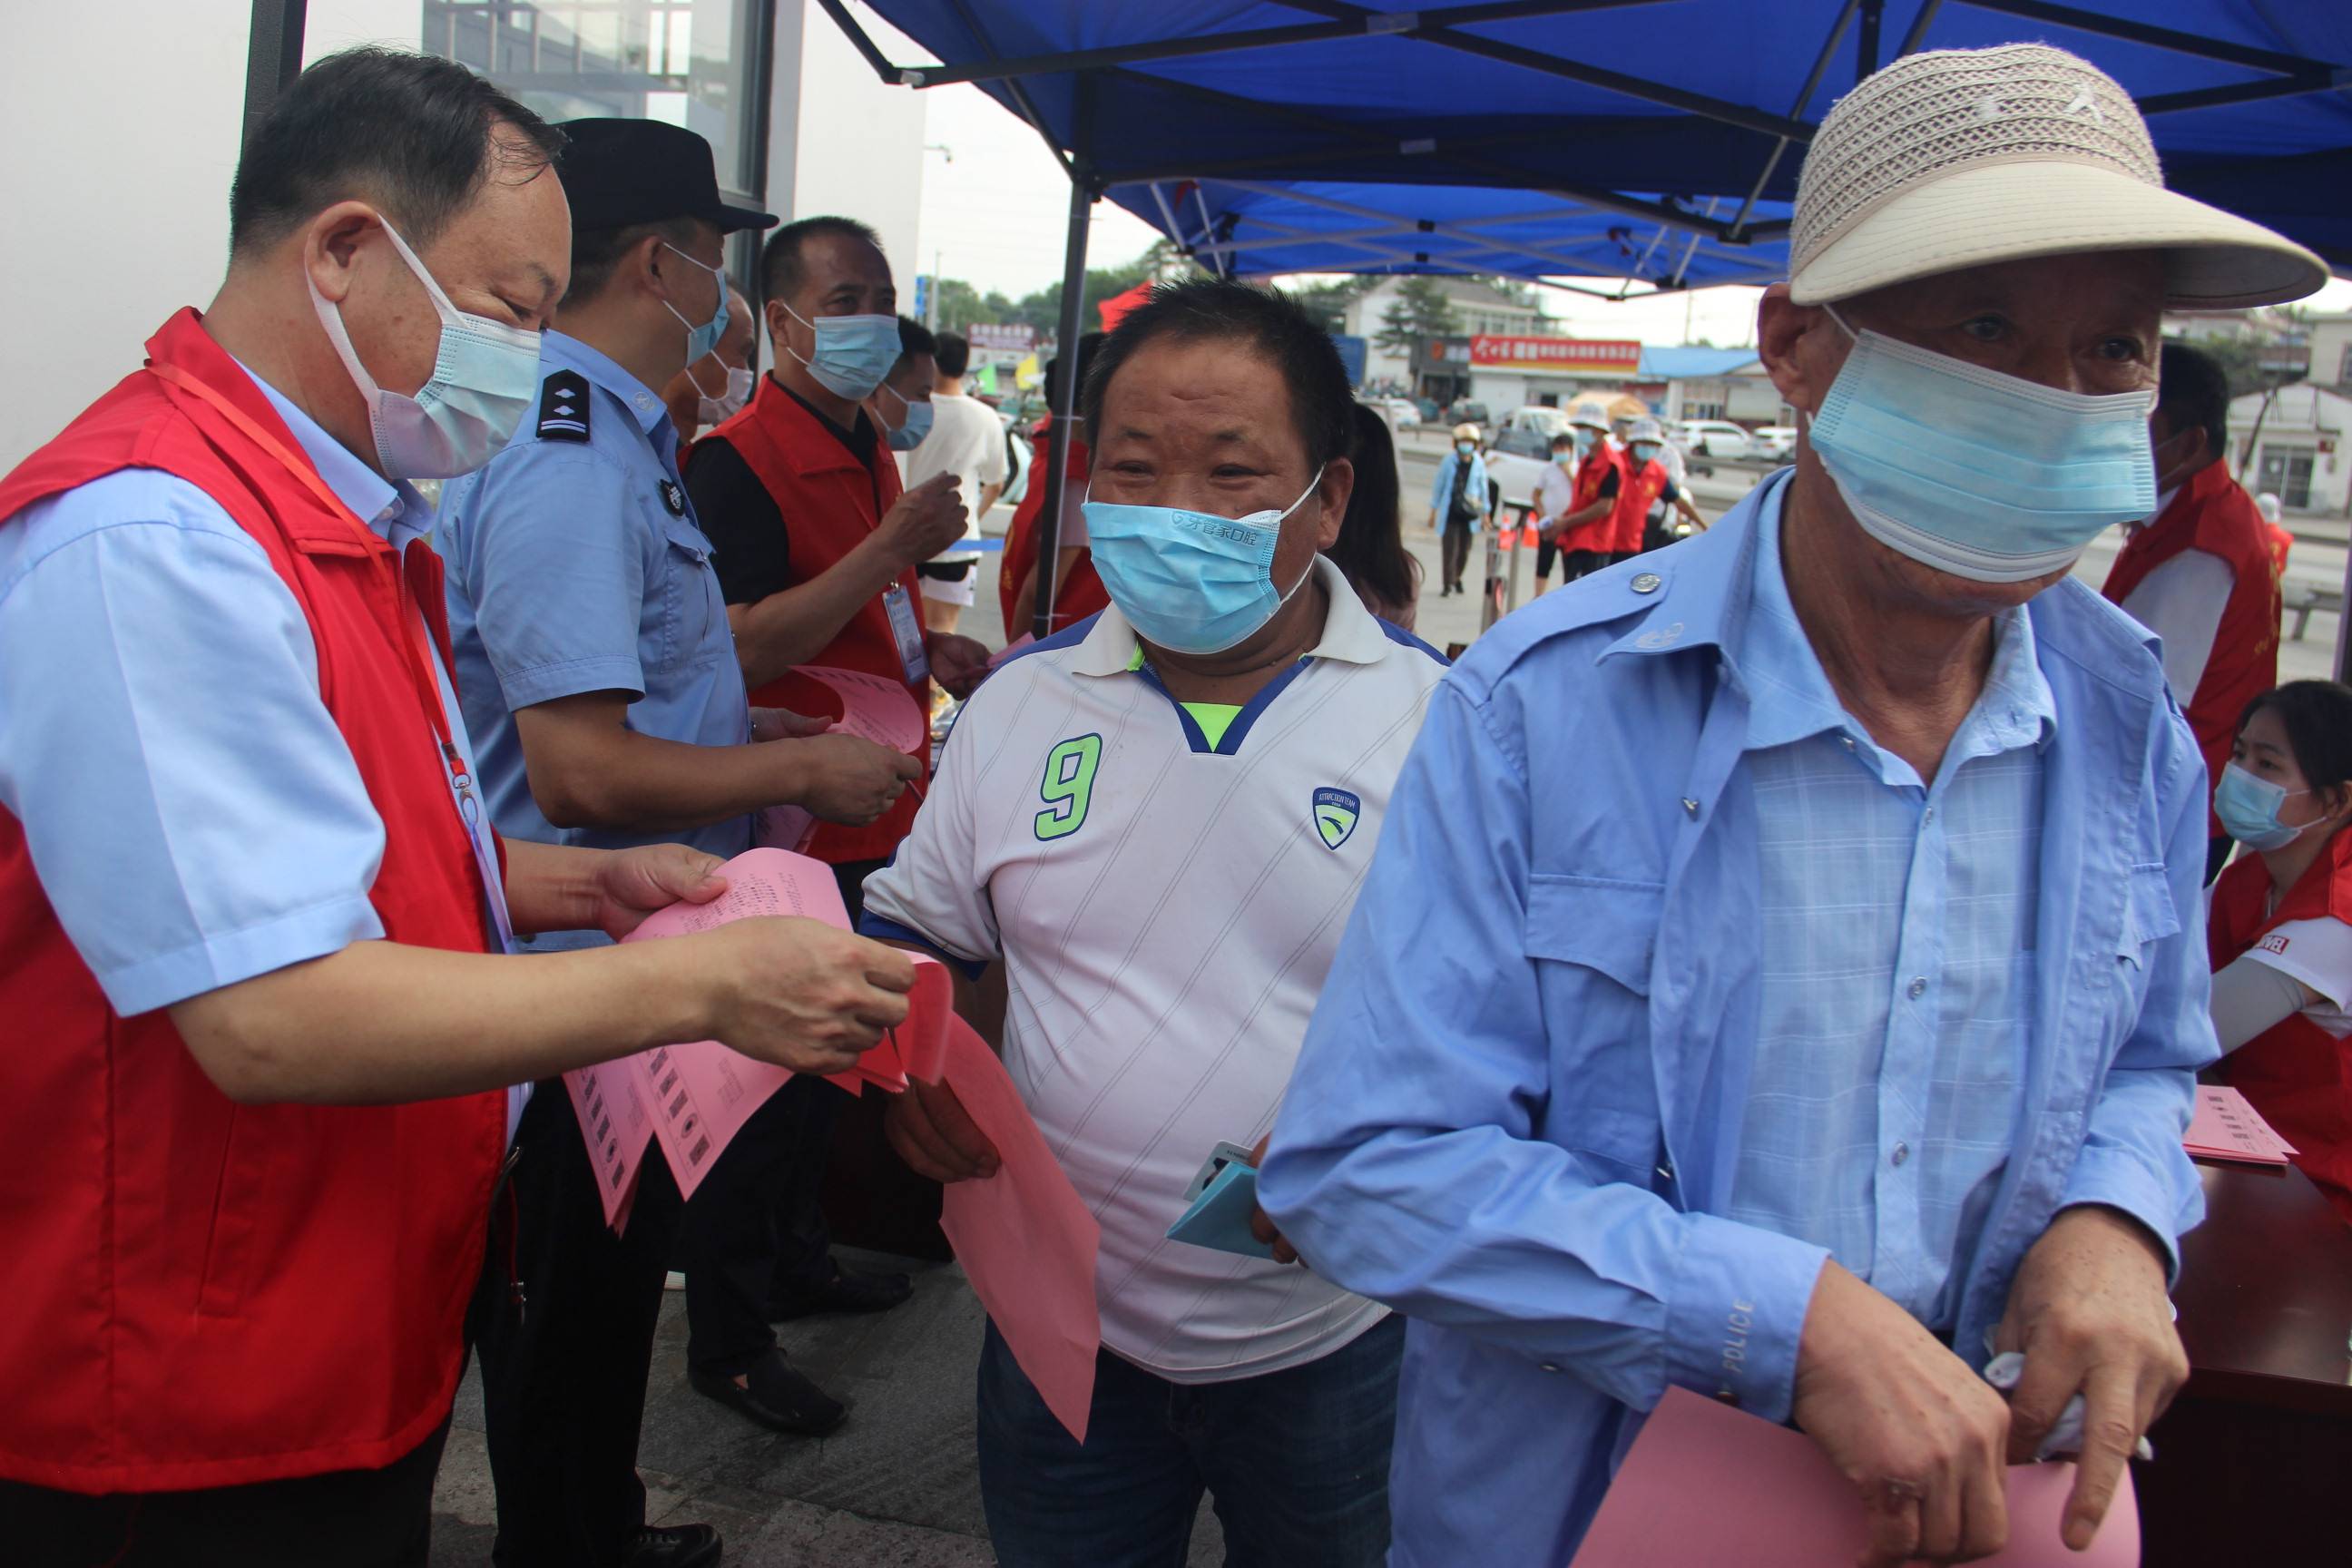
[[694, 610], [2149, 916], [1593, 938]]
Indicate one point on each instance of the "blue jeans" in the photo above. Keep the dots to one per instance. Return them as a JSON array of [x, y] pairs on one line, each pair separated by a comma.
[[1297, 1462]]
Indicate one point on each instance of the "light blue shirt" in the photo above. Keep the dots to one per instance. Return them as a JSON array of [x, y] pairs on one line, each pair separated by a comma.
[[575, 566], [1441, 494], [1518, 1115], [193, 811], [1896, 926]]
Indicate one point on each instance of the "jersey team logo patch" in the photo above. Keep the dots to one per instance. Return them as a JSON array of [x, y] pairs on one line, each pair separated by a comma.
[[1336, 812]]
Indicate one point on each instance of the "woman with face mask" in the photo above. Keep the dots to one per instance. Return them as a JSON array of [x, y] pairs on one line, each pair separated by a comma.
[[1457, 504], [2281, 925]]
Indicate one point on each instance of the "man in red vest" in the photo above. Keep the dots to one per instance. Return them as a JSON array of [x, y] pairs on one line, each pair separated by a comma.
[[257, 1102], [2199, 572], [1586, 534], [816, 550]]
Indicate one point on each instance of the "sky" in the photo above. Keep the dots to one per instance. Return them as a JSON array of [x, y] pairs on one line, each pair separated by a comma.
[[997, 215]]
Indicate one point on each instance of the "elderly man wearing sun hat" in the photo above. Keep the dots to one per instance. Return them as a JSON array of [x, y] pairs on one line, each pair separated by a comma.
[[1839, 1030]]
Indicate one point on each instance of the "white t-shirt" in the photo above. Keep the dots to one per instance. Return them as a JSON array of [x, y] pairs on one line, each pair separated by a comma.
[[1166, 912], [967, 440], [2181, 601], [2320, 953], [1554, 490]]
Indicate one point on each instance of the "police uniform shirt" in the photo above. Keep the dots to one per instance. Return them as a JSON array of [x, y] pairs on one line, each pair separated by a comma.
[[575, 565]]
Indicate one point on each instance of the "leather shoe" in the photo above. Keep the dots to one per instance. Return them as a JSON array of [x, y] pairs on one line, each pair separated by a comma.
[[679, 1546], [845, 1292], [778, 1398]]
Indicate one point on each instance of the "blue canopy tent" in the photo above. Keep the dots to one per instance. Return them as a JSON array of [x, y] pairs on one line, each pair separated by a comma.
[[1652, 142]]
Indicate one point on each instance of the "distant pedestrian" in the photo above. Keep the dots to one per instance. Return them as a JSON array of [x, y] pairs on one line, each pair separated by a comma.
[[2282, 536], [1586, 535], [967, 440], [707, 392], [1457, 505], [1651, 491], [1555, 499]]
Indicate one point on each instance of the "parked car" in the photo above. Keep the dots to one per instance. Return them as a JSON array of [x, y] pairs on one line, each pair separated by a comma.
[[1399, 412], [1775, 443], [1517, 449], [1717, 438], [1428, 408], [1466, 412]]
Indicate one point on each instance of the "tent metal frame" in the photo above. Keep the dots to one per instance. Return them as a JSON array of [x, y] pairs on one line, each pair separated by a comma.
[[2283, 75]]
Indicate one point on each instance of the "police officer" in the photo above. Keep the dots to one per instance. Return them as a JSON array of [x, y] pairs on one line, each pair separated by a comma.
[[598, 671], [259, 1029]]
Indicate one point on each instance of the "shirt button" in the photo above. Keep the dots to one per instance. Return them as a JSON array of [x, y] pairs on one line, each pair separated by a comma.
[[1931, 814], [1847, 741], [1547, 1366], [1918, 987], [1902, 1153], [1690, 808]]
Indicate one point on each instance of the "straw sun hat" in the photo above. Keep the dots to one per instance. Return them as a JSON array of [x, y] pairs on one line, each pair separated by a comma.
[[1959, 158]]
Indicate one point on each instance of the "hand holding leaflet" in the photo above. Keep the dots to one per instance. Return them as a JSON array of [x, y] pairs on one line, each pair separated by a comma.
[[872, 707], [1772, 1500]]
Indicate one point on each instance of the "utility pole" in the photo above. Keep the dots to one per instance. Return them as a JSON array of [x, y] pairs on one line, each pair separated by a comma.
[[931, 295]]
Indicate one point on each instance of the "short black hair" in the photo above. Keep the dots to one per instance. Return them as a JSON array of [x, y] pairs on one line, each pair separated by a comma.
[[1562, 438], [1369, 551], [953, 353], [2318, 717], [1209, 310], [596, 252], [914, 338], [407, 133], [780, 259], [2193, 394]]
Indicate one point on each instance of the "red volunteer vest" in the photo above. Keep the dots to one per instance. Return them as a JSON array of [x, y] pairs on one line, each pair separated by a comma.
[[1591, 470], [2213, 513], [831, 503], [1636, 492], [1081, 593], [203, 1293], [2295, 1073]]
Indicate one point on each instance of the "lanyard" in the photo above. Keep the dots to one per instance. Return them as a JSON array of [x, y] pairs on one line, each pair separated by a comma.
[[416, 653]]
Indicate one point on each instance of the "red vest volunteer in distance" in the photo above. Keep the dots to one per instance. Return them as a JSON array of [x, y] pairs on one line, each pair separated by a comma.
[[205, 1294], [2295, 1073], [2213, 513], [1639, 490], [1081, 593], [1593, 470], [830, 503]]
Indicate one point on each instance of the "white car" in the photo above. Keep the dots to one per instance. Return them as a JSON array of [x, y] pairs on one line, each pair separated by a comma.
[[1518, 450], [1774, 443], [1399, 412], [1717, 438]]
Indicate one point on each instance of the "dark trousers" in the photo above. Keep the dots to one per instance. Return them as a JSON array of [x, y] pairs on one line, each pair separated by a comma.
[[564, 1326], [755, 1230], [352, 1518], [2217, 854], [1297, 1461], [1454, 547]]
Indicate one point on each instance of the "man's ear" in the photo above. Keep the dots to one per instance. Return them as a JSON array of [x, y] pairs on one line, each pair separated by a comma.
[[1338, 484], [331, 244], [1793, 341]]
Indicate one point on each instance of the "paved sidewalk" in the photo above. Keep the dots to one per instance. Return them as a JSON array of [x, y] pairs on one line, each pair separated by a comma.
[[897, 1486]]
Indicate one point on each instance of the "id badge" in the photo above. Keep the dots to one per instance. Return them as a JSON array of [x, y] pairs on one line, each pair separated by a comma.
[[486, 856], [907, 627]]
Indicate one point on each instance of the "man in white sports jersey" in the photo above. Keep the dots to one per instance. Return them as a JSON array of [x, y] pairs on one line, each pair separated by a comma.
[[1159, 821]]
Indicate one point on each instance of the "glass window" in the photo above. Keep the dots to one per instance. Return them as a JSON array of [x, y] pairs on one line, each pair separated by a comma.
[[694, 63]]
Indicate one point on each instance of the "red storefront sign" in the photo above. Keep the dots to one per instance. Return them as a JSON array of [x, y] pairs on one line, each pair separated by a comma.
[[1563, 354]]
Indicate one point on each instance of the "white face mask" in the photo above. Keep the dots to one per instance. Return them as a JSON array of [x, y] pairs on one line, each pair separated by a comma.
[[717, 410], [484, 375]]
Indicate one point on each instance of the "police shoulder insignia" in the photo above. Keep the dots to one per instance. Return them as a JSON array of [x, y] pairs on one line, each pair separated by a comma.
[[674, 497], [563, 406]]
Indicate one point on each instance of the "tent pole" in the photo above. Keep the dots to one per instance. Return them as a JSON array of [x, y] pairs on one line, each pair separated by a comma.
[[273, 55], [1064, 393]]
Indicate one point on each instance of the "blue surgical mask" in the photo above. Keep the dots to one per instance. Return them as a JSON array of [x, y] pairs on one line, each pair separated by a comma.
[[908, 433], [1986, 476], [485, 374], [1191, 582], [1585, 440], [853, 352], [704, 338], [1645, 450], [1467, 448], [2249, 805]]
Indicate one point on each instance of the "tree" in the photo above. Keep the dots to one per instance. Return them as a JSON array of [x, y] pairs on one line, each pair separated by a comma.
[[1328, 302], [1420, 311]]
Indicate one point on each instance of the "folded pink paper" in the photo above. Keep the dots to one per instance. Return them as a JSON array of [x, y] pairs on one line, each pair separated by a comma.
[[1706, 1484], [2226, 1127]]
